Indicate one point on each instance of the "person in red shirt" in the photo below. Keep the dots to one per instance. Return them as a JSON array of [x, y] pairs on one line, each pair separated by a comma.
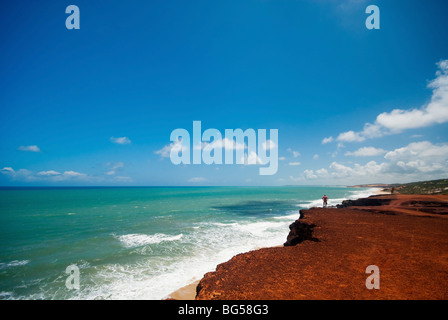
[[325, 199]]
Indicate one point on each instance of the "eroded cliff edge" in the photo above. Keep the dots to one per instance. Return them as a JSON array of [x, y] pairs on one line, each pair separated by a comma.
[[327, 252]]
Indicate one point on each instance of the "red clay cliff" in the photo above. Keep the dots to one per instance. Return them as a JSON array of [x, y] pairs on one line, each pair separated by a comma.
[[328, 250]]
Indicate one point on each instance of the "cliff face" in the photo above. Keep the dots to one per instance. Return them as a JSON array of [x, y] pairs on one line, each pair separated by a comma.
[[299, 231], [370, 201], [327, 252], [412, 204]]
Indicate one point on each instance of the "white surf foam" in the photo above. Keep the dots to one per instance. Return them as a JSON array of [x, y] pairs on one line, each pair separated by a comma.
[[156, 276], [259, 228], [14, 263], [333, 202], [137, 240], [291, 216]]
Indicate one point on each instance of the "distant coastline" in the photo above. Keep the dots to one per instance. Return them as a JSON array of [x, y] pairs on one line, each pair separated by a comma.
[[439, 186], [374, 185]]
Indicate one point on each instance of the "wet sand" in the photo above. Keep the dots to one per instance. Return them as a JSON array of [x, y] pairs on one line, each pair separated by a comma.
[[187, 292]]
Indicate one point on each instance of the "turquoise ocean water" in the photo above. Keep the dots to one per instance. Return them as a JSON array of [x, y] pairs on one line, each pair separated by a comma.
[[138, 243]]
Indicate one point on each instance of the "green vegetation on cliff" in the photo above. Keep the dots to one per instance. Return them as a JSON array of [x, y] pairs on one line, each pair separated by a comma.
[[423, 187]]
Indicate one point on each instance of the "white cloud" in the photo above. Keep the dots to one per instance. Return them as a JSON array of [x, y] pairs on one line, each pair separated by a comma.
[[71, 173], [269, 144], [414, 162], [295, 154], [398, 120], [32, 148], [327, 140], [316, 156], [370, 170], [120, 140], [48, 173], [421, 157], [166, 150], [366, 152], [21, 174], [312, 175], [435, 112], [227, 144], [322, 172], [25, 175], [197, 179], [114, 168], [282, 158], [252, 158], [350, 136], [309, 174], [7, 170], [295, 163], [421, 150]]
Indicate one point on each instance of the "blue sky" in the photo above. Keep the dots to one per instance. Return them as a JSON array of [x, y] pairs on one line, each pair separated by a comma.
[[96, 106]]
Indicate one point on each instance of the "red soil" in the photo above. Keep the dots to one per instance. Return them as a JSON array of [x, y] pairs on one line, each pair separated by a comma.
[[407, 239]]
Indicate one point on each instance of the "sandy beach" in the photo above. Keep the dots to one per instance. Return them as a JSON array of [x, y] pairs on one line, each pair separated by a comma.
[[405, 236], [187, 292], [381, 191]]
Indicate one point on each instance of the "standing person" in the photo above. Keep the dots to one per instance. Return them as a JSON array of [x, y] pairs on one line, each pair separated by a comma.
[[325, 199]]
